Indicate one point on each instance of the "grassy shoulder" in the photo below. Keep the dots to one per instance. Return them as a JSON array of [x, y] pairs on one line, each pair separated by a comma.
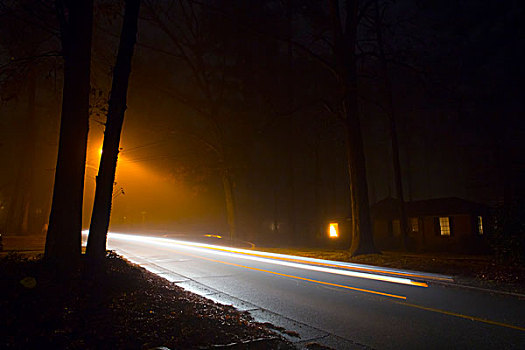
[[125, 307], [478, 271]]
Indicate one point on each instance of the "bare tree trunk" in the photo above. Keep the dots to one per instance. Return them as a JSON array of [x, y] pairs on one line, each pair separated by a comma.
[[291, 190], [13, 216], [398, 179], [96, 247], [318, 219], [18, 213], [29, 157], [227, 184], [362, 237], [63, 241], [290, 94], [344, 49]]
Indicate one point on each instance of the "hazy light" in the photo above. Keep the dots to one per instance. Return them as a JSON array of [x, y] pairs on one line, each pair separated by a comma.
[[213, 236], [165, 196], [333, 231]]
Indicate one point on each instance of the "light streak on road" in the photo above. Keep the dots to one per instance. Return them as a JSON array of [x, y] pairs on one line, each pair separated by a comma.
[[193, 250], [304, 278], [231, 252], [328, 263]]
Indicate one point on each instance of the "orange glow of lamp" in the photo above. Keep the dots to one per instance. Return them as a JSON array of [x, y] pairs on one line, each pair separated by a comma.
[[333, 230]]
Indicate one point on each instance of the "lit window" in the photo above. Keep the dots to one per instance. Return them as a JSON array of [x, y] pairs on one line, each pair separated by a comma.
[[414, 224], [480, 225], [333, 230], [444, 226]]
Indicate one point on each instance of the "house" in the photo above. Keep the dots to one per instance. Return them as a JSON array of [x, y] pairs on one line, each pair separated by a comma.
[[441, 224]]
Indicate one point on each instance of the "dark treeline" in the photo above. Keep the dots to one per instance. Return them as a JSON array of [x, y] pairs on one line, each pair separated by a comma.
[[255, 108]]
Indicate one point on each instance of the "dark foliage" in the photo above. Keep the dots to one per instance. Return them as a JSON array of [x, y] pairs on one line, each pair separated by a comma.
[[508, 239]]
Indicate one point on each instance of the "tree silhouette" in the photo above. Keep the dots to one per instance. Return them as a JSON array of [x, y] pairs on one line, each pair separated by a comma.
[[96, 246], [65, 222]]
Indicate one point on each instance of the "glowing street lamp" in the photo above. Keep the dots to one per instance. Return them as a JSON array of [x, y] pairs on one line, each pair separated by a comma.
[[333, 230]]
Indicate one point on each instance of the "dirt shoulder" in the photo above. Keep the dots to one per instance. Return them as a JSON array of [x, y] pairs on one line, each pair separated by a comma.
[[124, 307], [469, 270]]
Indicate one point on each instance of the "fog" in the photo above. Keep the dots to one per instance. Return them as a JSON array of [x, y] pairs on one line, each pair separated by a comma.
[[266, 118]]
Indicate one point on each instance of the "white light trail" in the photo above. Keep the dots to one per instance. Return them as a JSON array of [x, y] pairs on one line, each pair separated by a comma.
[[242, 254]]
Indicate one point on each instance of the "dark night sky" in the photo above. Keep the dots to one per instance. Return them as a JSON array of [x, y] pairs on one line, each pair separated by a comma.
[[457, 93]]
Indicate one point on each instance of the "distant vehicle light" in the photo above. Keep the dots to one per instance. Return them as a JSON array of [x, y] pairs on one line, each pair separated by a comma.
[[213, 236], [333, 230]]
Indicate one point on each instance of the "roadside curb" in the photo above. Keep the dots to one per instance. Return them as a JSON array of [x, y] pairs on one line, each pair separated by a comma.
[[480, 289], [296, 332]]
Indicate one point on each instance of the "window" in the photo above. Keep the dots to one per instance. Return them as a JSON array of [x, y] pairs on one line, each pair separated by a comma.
[[396, 228], [414, 224], [444, 226], [480, 225]]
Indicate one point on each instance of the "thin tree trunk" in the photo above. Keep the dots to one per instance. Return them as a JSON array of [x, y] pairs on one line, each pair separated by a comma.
[[290, 93], [96, 246], [17, 220], [362, 237], [227, 184], [291, 188], [27, 217], [344, 50], [275, 227], [63, 242], [317, 183], [398, 179]]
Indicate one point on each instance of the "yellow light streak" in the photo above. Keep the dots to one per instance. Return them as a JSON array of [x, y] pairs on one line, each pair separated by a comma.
[[299, 278], [232, 252], [298, 260], [421, 284], [367, 269], [471, 318]]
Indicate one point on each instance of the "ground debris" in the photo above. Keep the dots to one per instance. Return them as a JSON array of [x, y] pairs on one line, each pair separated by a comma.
[[317, 346], [282, 330], [122, 307]]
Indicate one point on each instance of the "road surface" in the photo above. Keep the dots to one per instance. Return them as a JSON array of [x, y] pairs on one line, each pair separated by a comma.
[[341, 305]]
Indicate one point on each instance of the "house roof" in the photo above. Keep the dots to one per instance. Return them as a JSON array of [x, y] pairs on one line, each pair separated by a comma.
[[389, 207]]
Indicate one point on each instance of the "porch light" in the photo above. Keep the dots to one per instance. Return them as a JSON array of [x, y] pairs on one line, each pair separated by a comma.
[[333, 230]]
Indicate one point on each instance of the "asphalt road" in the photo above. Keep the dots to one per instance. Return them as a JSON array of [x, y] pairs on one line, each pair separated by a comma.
[[336, 304]]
